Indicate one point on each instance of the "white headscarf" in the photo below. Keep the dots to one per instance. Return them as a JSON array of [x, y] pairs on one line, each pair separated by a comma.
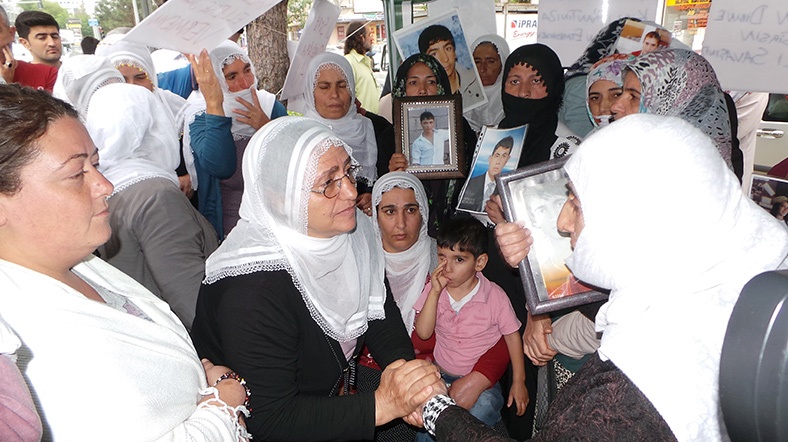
[[223, 55], [126, 53], [406, 271], [492, 112], [128, 124], [675, 254], [354, 129], [81, 76], [340, 278]]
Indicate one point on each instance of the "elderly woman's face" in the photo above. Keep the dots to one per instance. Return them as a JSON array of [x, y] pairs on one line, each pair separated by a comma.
[[60, 211], [525, 82], [571, 220], [332, 96], [629, 101], [132, 75], [399, 219], [328, 217], [420, 80], [488, 63]]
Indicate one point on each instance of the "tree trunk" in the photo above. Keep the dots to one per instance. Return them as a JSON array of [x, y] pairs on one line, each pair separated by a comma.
[[267, 37]]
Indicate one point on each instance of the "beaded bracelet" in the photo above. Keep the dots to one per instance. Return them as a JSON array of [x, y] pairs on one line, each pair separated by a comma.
[[233, 375]]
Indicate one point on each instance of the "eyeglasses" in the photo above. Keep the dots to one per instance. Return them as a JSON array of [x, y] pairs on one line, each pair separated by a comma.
[[330, 188]]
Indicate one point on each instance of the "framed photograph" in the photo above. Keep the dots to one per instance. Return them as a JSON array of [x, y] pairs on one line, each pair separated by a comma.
[[641, 38], [535, 195], [443, 38], [429, 134], [497, 151], [771, 193]]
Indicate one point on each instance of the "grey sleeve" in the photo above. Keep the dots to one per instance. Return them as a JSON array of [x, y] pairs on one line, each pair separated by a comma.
[[574, 335]]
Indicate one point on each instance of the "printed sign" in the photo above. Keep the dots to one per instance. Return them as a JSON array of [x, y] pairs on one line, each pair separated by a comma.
[[747, 43], [191, 25]]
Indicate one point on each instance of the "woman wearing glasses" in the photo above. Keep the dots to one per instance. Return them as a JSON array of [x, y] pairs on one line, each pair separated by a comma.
[[298, 288]]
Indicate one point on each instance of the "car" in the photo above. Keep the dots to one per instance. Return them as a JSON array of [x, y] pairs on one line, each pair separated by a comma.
[[771, 145]]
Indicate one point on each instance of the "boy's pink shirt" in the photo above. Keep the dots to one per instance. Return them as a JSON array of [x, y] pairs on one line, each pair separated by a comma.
[[461, 339]]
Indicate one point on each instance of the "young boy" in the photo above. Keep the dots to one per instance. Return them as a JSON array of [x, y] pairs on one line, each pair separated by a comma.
[[468, 314]]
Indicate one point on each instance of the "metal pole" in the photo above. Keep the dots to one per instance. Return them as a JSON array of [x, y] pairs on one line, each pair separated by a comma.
[[136, 12]]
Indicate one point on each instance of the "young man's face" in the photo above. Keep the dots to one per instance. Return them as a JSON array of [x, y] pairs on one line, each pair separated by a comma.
[[497, 160], [44, 44], [443, 51], [428, 125], [649, 45]]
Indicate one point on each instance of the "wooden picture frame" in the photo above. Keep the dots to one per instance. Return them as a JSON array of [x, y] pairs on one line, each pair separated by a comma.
[[535, 195], [412, 117]]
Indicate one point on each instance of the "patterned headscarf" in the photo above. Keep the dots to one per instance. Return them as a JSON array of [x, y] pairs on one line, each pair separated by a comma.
[[610, 68], [681, 83], [601, 46], [444, 87]]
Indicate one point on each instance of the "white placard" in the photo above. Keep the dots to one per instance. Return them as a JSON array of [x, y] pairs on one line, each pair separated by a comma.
[[477, 16], [747, 43], [314, 38], [567, 26], [518, 29], [190, 25]]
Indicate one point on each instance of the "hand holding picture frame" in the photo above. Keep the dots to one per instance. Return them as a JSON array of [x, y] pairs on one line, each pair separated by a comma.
[[429, 133], [535, 195]]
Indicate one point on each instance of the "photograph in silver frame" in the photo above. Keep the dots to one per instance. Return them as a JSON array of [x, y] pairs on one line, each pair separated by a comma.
[[429, 134], [535, 195]]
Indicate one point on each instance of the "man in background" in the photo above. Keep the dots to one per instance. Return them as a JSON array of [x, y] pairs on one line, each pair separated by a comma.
[[38, 76], [357, 43], [39, 33]]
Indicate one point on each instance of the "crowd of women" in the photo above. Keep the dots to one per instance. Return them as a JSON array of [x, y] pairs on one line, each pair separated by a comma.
[[220, 270]]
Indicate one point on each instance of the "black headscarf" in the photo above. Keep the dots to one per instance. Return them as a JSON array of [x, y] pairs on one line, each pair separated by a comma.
[[444, 86], [541, 115]]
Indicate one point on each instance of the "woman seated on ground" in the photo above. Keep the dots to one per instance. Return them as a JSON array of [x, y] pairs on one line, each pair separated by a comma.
[[423, 75], [53, 212], [298, 288], [330, 98], [400, 222], [489, 53], [702, 251], [219, 120], [681, 83], [158, 237]]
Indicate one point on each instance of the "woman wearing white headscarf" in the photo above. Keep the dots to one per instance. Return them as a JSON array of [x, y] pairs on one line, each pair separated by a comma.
[[80, 76], [134, 61], [219, 120], [674, 274], [297, 288], [489, 54], [330, 98], [407, 271], [158, 238]]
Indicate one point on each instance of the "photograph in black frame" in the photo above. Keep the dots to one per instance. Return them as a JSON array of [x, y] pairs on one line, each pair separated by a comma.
[[535, 195], [429, 133]]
